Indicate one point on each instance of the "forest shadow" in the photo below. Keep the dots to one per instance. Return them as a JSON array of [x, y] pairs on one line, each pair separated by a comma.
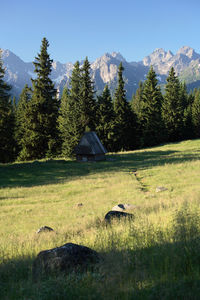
[[54, 171], [163, 271], [183, 289]]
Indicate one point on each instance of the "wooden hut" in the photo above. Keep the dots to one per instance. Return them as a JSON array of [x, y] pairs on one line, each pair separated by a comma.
[[90, 148]]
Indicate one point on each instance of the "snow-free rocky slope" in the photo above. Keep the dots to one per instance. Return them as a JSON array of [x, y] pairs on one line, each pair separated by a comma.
[[186, 63]]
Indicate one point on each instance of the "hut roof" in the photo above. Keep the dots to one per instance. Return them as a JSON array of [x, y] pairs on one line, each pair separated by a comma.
[[90, 145]]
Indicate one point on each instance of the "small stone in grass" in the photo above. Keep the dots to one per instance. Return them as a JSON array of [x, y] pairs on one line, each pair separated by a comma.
[[44, 229]]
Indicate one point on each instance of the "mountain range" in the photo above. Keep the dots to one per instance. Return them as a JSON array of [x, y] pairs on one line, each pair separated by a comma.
[[186, 63]]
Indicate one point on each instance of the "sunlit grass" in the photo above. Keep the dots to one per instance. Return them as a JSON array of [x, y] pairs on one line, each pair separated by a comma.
[[147, 258]]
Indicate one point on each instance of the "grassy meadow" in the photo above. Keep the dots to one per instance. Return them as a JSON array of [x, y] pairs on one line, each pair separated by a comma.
[[156, 256]]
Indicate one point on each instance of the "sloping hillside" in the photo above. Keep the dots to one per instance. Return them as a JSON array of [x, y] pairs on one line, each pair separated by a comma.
[[154, 256]]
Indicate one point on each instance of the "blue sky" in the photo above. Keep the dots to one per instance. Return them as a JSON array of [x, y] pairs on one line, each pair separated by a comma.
[[79, 28]]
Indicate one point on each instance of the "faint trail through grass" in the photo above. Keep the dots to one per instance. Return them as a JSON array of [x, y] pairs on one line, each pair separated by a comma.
[[154, 257]]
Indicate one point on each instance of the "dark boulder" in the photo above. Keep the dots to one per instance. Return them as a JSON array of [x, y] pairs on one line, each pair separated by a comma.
[[114, 214], [67, 258]]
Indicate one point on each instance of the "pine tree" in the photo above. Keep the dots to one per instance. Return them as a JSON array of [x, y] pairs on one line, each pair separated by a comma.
[[40, 138], [136, 106], [14, 104], [137, 100], [183, 95], [105, 119], [124, 117], [7, 142], [188, 126], [186, 100], [20, 116], [196, 114], [172, 109], [70, 121], [63, 122], [88, 103], [149, 113]]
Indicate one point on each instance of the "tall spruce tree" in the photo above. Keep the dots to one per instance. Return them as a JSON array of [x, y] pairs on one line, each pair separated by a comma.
[[124, 117], [70, 120], [40, 138], [172, 108], [196, 114], [149, 114], [20, 116], [7, 121], [136, 106], [183, 95], [88, 103], [105, 119], [186, 100], [137, 100]]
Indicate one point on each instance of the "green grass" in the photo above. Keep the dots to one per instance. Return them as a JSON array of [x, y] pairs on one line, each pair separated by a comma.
[[156, 256]]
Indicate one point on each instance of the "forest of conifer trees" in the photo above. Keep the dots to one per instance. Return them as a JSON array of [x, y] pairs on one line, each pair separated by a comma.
[[41, 125]]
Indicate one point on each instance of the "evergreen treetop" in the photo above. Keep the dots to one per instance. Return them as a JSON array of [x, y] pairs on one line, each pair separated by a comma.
[[172, 108], [70, 119], [21, 122], [124, 117], [137, 100], [88, 103], [40, 136], [120, 102], [7, 121], [43, 66], [105, 118], [150, 111], [196, 114], [4, 87]]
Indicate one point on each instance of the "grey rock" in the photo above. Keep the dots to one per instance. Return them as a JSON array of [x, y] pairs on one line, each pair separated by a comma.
[[161, 189], [118, 207], [66, 259], [114, 214], [122, 207], [129, 206], [44, 229]]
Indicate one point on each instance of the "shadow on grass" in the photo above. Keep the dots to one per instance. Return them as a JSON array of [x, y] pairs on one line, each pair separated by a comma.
[[17, 283], [183, 289], [54, 171], [164, 271], [6, 198]]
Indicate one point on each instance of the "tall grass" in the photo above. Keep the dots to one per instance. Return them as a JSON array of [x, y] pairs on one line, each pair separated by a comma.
[[156, 256]]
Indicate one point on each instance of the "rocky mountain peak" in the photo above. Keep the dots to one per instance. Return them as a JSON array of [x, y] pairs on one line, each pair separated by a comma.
[[159, 51], [185, 50], [104, 69], [118, 56], [158, 59], [106, 66], [108, 57], [189, 52], [169, 54], [9, 55], [4, 53]]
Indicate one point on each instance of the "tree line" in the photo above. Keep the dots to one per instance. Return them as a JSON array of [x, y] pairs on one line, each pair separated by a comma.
[[43, 125]]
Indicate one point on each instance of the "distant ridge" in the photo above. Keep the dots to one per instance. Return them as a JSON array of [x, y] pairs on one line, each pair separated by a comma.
[[186, 63]]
